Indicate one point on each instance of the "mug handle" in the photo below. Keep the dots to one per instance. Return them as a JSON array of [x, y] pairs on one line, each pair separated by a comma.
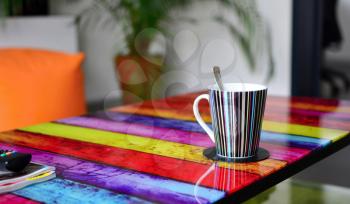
[[199, 118]]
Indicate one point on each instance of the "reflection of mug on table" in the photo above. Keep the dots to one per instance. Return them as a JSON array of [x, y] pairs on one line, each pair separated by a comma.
[[226, 178], [223, 176], [237, 114]]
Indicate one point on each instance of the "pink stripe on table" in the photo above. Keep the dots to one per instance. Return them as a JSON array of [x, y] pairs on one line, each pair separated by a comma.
[[285, 153], [14, 199]]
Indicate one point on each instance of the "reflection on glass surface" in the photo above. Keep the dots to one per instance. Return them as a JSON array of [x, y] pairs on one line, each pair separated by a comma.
[[225, 177], [301, 192]]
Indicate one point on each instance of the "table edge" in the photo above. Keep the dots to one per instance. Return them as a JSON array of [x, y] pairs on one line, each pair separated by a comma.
[[286, 172]]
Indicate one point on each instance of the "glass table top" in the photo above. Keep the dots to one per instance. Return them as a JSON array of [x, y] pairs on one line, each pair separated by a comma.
[[152, 152]]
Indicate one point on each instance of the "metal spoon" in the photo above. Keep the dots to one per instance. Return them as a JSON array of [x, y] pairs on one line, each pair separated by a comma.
[[217, 74]]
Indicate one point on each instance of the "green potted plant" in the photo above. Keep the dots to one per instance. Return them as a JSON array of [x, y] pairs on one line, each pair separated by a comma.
[[138, 68]]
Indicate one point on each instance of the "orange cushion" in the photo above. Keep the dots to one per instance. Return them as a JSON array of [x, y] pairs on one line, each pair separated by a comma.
[[38, 86]]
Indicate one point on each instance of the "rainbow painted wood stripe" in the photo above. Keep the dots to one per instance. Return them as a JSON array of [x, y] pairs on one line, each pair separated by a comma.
[[152, 152], [236, 121], [15, 199]]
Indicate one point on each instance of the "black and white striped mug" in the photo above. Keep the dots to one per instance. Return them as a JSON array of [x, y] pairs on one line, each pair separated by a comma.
[[237, 113]]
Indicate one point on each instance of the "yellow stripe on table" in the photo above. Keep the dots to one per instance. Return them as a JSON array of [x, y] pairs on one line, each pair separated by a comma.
[[147, 145], [271, 126], [304, 130]]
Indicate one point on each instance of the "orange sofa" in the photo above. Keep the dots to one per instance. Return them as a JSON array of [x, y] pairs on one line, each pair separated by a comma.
[[38, 86]]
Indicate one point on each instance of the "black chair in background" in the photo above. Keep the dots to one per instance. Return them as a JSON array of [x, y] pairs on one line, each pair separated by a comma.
[[332, 39]]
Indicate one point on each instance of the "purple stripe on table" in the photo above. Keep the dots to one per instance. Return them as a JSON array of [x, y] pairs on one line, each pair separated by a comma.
[[180, 136], [150, 187], [293, 140], [150, 121]]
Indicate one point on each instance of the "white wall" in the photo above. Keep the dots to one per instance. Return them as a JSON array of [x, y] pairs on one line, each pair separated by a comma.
[[56, 33], [279, 16], [201, 46]]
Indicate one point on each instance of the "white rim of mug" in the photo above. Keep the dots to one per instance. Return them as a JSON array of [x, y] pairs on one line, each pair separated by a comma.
[[260, 87]]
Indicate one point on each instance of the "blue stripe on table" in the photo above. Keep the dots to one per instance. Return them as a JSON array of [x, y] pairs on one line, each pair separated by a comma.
[[66, 191]]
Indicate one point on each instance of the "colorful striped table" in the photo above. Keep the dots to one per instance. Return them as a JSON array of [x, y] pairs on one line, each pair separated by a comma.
[[152, 152]]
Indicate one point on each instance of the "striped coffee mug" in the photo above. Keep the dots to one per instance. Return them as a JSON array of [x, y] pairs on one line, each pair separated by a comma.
[[237, 114]]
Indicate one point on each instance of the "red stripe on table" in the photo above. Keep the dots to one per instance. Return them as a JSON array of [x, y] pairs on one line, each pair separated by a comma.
[[138, 161], [282, 100]]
